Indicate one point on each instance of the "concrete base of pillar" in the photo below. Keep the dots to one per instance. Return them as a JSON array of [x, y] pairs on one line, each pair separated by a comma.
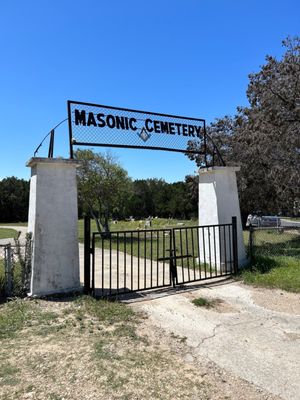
[[53, 216], [218, 203]]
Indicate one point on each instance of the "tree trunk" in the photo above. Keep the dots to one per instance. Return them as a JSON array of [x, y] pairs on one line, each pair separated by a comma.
[[99, 227]]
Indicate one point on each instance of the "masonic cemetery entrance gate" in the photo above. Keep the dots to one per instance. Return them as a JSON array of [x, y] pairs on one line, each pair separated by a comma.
[[131, 261]]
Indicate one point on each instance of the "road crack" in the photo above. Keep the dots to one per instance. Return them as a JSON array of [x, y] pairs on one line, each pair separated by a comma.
[[208, 337]]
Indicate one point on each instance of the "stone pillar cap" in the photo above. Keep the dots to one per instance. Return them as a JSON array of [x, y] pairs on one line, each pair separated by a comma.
[[43, 160], [218, 169]]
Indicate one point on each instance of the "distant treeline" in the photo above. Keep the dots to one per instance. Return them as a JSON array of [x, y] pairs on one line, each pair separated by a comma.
[[155, 197], [14, 199], [149, 197]]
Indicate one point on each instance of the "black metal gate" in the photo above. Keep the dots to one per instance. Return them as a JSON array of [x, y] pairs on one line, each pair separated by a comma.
[[130, 261]]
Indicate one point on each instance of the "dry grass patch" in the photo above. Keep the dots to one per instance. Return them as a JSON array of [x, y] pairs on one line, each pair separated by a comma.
[[86, 349]]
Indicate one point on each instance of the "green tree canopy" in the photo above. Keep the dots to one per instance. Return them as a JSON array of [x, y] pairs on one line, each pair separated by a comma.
[[103, 186], [14, 199], [264, 138]]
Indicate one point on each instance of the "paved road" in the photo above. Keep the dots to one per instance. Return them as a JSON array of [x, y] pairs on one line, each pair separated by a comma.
[[285, 222]]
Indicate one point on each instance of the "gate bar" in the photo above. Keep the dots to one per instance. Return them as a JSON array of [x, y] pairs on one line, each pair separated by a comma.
[[234, 245], [87, 254]]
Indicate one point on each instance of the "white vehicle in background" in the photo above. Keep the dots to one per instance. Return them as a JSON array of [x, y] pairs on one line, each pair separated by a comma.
[[263, 221]]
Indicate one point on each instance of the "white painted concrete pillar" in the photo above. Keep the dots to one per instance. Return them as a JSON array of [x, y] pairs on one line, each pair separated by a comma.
[[53, 216], [218, 203]]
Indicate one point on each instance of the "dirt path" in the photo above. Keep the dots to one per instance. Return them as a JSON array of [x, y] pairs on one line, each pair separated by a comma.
[[246, 335]]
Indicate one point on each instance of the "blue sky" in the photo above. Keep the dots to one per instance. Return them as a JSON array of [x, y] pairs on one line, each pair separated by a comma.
[[177, 57]]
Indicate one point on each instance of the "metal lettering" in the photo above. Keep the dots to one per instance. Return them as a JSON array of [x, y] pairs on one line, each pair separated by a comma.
[[184, 130], [131, 120], [120, 123], [178, 128], [101, 121], [164, 127], [191, 130], [198, 129], [147, 122], [171, 128], [110, 121], [80, 117], [91, 120], [157, 126]]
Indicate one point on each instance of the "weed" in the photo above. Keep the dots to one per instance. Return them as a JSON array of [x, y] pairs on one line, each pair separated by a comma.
[[203, 302]]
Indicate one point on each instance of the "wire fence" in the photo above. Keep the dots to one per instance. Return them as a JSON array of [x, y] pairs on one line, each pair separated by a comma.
[[15, 269], [274, 242]]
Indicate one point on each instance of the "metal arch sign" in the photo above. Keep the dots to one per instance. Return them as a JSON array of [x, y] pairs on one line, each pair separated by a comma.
[[99, 125]]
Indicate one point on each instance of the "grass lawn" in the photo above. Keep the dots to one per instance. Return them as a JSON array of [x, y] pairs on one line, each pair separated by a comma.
[[81, 348], [144, 244], [7, 233], [160, 223], [13, 224], [277, 260], [274, 272]]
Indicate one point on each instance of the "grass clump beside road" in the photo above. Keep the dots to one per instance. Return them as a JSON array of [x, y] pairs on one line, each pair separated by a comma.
[[274, 272], [81, 348]]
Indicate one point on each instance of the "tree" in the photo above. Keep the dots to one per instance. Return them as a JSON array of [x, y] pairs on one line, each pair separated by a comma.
[[192, 194], [263, 138], [103, 186], [141, 202], [267, 132], [14, 199]]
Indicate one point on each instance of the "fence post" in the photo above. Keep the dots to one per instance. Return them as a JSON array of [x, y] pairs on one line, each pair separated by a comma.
[[8, 270], [251, 233], [87, 254], [235, 245]]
